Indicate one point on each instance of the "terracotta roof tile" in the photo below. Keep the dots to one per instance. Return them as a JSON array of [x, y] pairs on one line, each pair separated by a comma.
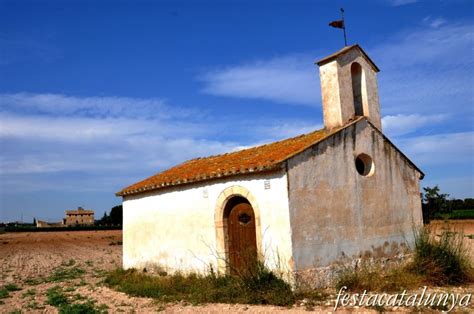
[[256, 159], [79, 212], [344, 50]]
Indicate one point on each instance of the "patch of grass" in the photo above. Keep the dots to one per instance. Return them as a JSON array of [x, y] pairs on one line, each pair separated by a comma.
[[12, 287], [29, 293], [34, 281], [443, 261], [56, 297], [79, 297], [437, 261], [259, 286], [79, 308], [4, 293], [62, 274], [33, 305], [375, 278], [89, 263], [456, 214], [99, 272], [115, 243]]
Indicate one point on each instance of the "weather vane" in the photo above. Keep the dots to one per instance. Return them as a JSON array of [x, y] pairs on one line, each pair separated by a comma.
[[340, 24]]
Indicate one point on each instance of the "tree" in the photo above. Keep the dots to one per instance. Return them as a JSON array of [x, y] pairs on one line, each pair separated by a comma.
[[116, 215], [104, 220], [435, 202]]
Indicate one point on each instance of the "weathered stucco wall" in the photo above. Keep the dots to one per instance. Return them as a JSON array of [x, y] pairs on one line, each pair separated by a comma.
[[175, 228], [336, 214]]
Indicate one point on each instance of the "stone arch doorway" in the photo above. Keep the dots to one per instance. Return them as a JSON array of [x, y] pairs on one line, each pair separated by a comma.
[[237, 221]]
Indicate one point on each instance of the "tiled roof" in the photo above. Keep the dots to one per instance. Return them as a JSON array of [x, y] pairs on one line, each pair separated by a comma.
[[256, 159], [344, 50], [79, 212]]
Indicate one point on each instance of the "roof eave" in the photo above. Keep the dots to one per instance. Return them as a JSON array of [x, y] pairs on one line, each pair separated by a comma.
[[422, 174], [126, 192], [333, 56]]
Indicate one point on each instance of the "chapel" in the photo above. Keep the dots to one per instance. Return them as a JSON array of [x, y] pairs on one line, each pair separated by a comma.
[[334, 195]]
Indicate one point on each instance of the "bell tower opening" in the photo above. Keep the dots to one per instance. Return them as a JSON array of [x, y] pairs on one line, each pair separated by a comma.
[[349, 87], [356, 76]]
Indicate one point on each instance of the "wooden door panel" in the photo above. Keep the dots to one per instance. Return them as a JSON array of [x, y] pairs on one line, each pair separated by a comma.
[[242, 237]]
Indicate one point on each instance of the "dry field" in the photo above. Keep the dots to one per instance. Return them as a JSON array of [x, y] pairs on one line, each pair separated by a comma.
[[465, 226], [78, 260]]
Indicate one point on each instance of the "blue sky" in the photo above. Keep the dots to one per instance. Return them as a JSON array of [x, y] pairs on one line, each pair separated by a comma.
[[95, 95]]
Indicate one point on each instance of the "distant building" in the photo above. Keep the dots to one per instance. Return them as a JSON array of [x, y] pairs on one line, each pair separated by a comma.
[[80, 216]]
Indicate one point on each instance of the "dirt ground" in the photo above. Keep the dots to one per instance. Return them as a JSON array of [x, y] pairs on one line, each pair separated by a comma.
[[30, 260], [465, 226]]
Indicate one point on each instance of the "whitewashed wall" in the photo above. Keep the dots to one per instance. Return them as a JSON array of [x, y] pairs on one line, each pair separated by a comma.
[[175, 228]]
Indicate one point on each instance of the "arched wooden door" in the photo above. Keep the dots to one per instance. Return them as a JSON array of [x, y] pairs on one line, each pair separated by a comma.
[[242, 238]]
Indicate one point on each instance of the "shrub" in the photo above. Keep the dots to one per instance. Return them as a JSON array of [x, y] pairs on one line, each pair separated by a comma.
[[4, 293], [441, 261], [258, 287], [56, 297], [61, 274], [79, 308], [375, 278], [12, 287]]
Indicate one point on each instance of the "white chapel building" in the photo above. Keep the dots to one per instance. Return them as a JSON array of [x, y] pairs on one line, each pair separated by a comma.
[[307, 202]]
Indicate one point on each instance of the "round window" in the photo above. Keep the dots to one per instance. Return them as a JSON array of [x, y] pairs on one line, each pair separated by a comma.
[[364, 165]]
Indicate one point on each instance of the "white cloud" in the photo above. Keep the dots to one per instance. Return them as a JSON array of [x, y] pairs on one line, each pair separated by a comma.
[[446, 45], [397, 3], [424, 68], [82, 129], [288, 80], [427, 70], [45, 142], [279, 130], [437, 22], [395, 125], [448, 149], [38, 144], [58, 104]]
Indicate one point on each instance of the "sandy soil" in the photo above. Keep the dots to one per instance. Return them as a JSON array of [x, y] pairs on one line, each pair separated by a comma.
[[27, 259], [466, 227]]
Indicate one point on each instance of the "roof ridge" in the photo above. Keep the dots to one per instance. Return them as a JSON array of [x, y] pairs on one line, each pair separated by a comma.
[[252, 147], [255, 159]]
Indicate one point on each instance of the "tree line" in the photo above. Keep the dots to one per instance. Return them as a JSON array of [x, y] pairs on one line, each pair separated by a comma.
[[435, 203], [113, 218]]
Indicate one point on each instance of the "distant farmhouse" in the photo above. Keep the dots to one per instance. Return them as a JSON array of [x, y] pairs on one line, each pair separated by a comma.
[[302, 204], [78, 217]]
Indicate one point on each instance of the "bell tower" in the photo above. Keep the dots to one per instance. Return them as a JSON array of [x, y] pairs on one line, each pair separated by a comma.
[[349, 87]]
